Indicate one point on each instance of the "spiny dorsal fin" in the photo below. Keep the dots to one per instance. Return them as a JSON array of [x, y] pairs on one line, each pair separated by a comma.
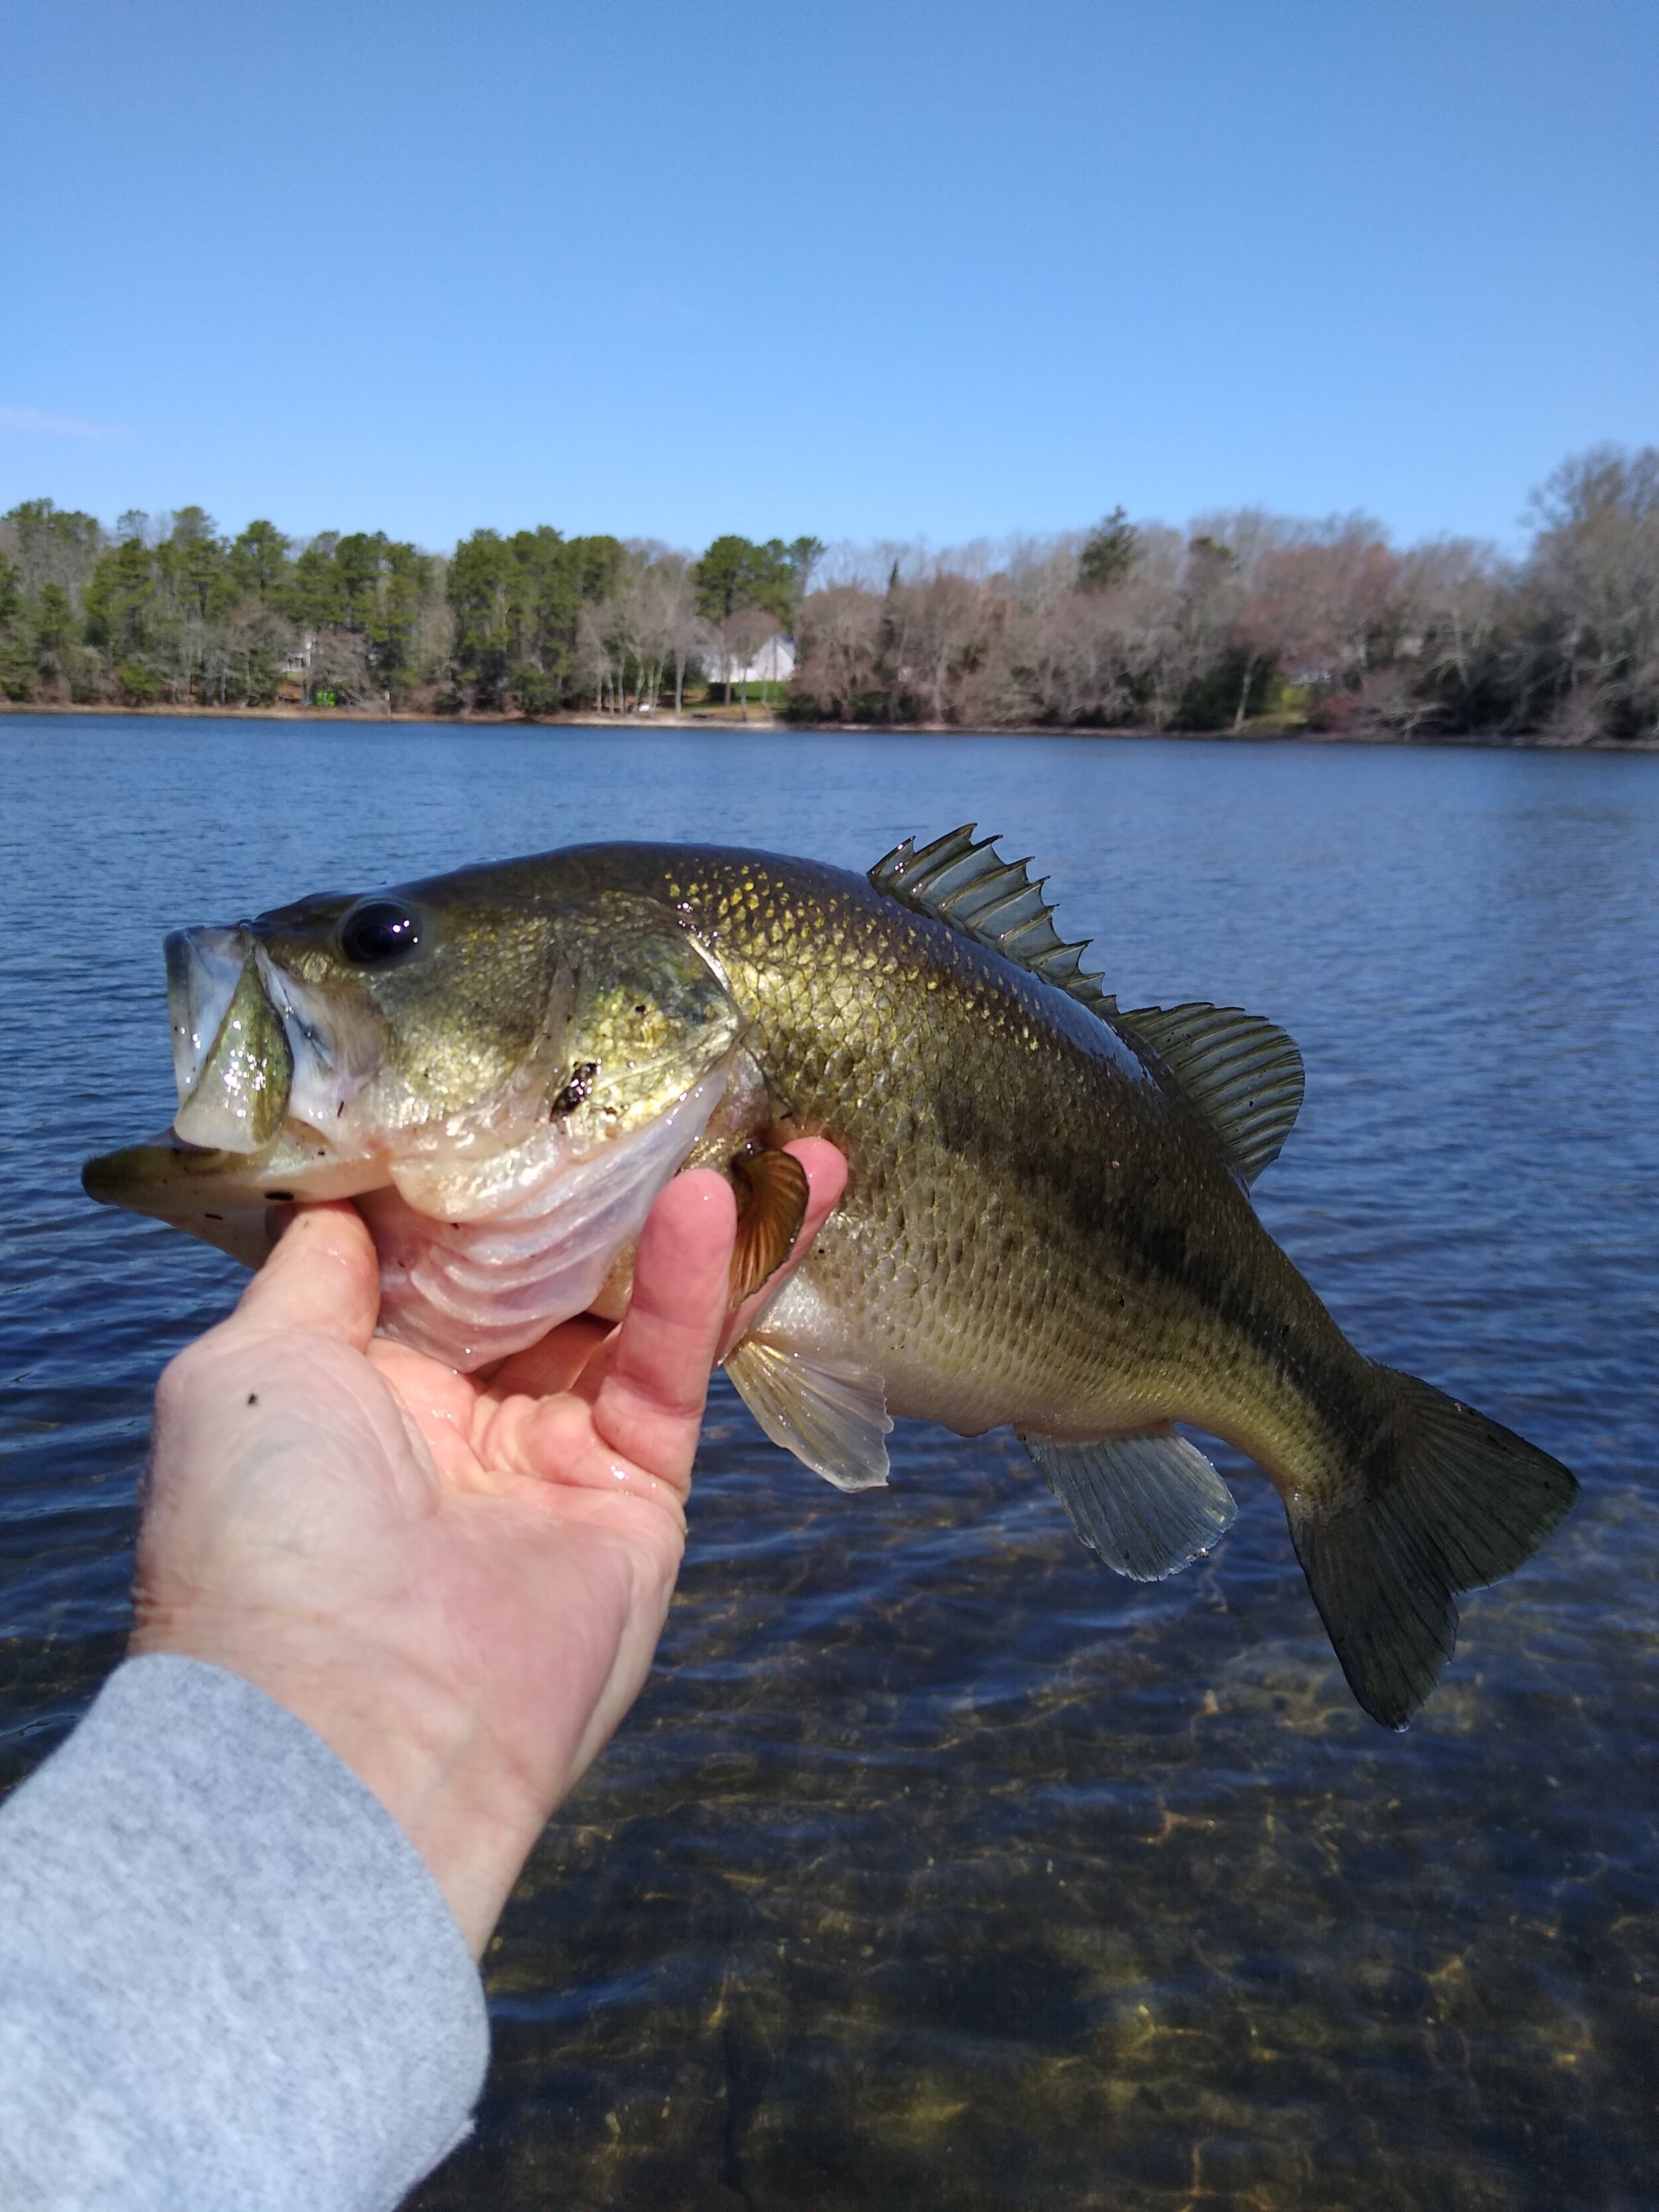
[[972, 889], [1242, 1073]]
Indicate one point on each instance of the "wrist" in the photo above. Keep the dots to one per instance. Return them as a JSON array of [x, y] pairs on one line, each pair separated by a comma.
[[419, 1746]]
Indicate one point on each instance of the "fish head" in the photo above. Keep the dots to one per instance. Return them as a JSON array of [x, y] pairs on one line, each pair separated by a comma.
[[461, 1042]]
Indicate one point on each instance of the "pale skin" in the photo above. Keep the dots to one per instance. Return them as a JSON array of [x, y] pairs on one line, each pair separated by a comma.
[[458, 1583]]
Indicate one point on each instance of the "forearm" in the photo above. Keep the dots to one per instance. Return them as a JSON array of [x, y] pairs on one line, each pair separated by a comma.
[[226, 1976]]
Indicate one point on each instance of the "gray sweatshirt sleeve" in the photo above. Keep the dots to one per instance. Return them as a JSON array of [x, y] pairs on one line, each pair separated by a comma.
[[228, 1980]]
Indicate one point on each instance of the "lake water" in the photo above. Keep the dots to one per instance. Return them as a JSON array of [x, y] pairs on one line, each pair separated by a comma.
[[937, 1867]]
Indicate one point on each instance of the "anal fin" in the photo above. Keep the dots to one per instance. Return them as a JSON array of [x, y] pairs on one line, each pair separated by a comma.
[[830, 1413], [1147, 1504]]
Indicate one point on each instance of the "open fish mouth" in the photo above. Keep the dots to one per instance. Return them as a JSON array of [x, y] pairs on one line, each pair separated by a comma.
[[546, 1226], [492, 1226], [252, 1048]]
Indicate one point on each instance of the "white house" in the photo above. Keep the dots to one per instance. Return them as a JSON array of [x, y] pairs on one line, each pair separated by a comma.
[[773, 663]]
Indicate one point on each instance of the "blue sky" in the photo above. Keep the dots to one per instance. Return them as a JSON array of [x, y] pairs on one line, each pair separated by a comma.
[[672, 267]]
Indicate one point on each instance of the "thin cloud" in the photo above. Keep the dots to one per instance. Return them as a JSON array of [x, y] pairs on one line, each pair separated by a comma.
[[32, 422]]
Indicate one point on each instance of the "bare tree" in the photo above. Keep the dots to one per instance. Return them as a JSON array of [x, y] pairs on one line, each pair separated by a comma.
[[836, 648], [657, 613], [1078, 657], [593, 665], [340, 666], [651, 621], [1593, 582], [742, 635], [620, 614], [434, 635], [945, 630], [684, 633], [1452, 596]]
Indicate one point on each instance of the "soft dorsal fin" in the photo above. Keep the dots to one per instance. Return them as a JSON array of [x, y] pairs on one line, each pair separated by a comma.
[[972, 889], [1242, 1073]]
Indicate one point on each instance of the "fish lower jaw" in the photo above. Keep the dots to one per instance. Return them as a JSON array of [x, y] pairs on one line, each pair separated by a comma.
[[170, 1176]]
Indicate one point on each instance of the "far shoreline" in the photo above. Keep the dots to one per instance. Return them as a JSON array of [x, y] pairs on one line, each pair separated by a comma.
[[764, 719]]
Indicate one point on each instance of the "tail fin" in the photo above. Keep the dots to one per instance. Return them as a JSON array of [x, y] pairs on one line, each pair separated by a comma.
[[1444, 1500]]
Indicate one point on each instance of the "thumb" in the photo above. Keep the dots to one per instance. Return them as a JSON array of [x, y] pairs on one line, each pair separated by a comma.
[[323, 1278]]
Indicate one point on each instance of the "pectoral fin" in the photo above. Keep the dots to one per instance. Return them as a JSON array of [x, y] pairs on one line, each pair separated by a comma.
[[1148, 1503], [772, 1193], [830, 1413]]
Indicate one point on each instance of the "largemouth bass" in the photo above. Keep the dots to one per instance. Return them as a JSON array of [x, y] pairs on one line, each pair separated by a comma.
[[1047, 1220]]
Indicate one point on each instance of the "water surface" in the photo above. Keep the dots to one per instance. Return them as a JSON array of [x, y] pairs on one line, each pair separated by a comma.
[[937, 1867]]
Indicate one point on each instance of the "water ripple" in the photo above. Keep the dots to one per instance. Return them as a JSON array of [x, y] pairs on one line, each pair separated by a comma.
[[936, 1867]]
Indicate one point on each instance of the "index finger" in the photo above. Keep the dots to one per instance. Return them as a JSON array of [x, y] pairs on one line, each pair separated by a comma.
[[649, 1406]]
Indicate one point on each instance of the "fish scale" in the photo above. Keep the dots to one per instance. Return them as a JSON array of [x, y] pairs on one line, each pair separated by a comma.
[[1046, 1220]]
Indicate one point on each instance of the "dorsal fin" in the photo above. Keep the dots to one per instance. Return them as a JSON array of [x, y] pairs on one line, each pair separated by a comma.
[[1242, 1073], [973, 889]]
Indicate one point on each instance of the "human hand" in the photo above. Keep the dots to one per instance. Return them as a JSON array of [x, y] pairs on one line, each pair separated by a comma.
[[458, 1581]]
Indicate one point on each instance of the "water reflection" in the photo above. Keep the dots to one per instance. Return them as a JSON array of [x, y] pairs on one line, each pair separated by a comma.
[[937, 1867]]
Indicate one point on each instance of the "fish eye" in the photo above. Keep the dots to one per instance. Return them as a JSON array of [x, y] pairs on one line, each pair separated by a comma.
[[377, 931]]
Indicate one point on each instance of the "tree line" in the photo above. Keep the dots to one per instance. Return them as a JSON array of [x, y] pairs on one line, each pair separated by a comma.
[[1244, 618], [1250, 618], [167, 610]]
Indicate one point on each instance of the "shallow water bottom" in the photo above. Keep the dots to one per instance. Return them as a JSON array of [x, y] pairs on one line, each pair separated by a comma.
[[1124, 1905], [937, 1868]]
